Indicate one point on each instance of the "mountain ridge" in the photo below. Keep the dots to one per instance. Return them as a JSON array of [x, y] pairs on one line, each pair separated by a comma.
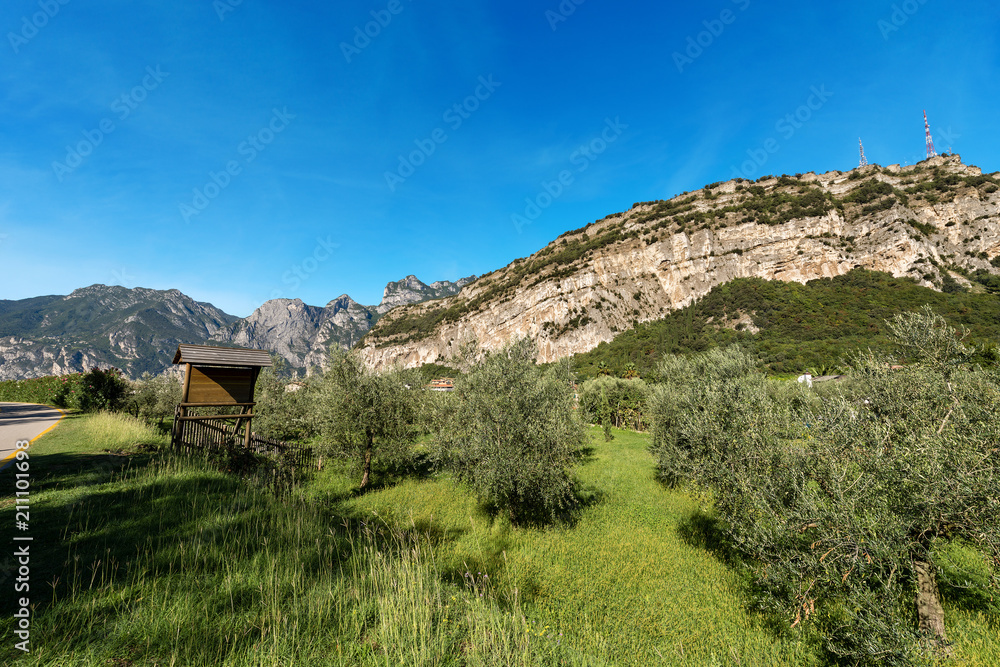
[[130, 328], [138, 329], [932, 222], [303, 334], [637, 265]]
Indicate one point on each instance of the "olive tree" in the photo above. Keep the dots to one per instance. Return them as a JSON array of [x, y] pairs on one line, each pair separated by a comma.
[[841, 507], [363, 410], [153, 398], [286, 411], [514, 436], [624, 401]]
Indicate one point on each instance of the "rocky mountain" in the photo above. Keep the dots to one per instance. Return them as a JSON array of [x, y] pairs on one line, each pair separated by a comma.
[[136, 330], [302, 334], [411, 290], [931, 221]]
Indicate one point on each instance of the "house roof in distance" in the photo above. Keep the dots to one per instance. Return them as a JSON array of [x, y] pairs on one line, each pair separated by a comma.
[[207, 355]]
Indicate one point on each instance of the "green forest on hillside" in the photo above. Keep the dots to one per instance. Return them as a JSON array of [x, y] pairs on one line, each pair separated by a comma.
[[802, 327]]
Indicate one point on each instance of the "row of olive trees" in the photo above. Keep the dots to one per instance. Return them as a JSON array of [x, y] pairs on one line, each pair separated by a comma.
[[844, 506], [508, 430]]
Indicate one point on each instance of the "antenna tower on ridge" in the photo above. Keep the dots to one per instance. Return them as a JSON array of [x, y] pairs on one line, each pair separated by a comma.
[[930, 142], [864, 160]]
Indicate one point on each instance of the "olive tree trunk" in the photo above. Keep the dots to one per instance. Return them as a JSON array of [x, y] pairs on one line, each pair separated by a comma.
[[368, 463], [929, 610]]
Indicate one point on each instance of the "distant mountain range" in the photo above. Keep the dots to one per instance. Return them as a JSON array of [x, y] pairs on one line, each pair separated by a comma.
[[138, 329], [937, 222]]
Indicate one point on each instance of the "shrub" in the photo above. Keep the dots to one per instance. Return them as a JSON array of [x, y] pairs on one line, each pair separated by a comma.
[[42, 390], [283, 411], [154, 398], [514, 436], [871, 190], [97, 389]]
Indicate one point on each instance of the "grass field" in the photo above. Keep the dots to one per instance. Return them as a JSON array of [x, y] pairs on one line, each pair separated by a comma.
[[143, 559]]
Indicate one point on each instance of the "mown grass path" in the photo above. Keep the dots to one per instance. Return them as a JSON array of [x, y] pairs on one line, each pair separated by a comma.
[[625, 585], [621, 585]]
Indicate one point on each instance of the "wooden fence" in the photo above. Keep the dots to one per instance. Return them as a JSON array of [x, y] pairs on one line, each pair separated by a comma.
[[206, 435]]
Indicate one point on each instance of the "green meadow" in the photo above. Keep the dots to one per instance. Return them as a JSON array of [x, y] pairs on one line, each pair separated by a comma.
[[145, 558]]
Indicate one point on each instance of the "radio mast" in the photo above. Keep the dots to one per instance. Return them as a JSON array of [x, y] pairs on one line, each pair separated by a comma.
[[930, 142]]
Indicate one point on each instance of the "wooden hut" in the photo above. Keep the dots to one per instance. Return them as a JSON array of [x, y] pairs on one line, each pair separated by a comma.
[[217, 377]]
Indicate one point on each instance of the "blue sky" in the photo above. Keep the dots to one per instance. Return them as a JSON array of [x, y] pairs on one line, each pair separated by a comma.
[[240, 150]]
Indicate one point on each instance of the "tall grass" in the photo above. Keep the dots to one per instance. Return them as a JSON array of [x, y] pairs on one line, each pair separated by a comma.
[[178, 564], [116, 431], [625, 584]]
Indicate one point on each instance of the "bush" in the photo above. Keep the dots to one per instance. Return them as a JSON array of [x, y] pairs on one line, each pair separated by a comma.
[[154, 398], [97, 389], [43, 390], [513, 435]]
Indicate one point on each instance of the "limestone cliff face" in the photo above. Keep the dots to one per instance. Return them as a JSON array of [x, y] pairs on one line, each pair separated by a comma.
[[590, 284]]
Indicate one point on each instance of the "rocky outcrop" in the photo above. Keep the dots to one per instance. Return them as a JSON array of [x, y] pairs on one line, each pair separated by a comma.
[[411, 290], [303, 334], [590, 284]]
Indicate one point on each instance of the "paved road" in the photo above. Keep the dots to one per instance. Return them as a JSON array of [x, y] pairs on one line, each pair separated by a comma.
[[23, 421]]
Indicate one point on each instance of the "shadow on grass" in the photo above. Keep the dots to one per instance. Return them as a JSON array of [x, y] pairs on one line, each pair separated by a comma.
[[704, 530], [972, 586], [113, 539], [105, 516], [66, 470], [115, 517]]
